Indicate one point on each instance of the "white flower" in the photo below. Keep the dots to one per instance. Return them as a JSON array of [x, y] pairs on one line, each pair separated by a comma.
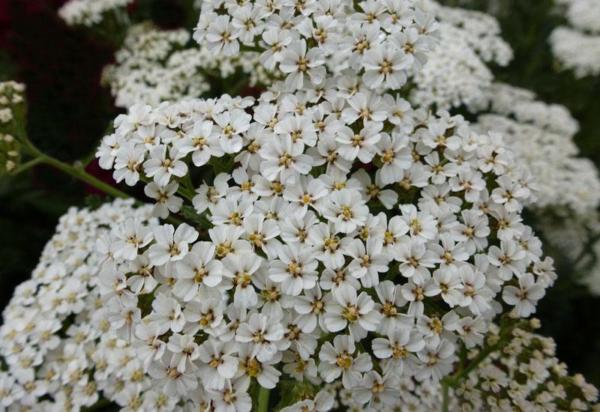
[[221, 36], [162, 166], [276, 41], [298, 64], [384, 66], [263, 335], [354, 312], [128, 162], [391, 300], [376, 388], [420, 224], [231, 126], [234, 397], [201, 142], [197, 268], [171, 245], [415, 260], [525, 296], [132, 236], [346, 210], [327, 243], [185, 352], [323, 401], [367, 261], [240, 269], [300, 129], [219, 364], [395, 155], [166, 201], [399, 348], [338, 359], [173, 381], [509, 258], [295, 269], [436, 361], [361, 145], [167, 314], [283, 160], [264, 372]]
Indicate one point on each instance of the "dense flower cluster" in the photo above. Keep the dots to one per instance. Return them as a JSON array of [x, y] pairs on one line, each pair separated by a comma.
[[11, 110], [306, 42], [339, 241], [56, 341], [541, 136], [91, 12], [567, 186], [156, 65], [456, 72], [524, 374], [577, 47], [331, 195]]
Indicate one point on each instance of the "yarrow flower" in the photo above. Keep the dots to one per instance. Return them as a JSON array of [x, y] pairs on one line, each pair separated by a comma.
[[91, 12], [327, 235], [300, 246], [156, 65], [576, 47], [55, 362], [303, 44], [523, 373]]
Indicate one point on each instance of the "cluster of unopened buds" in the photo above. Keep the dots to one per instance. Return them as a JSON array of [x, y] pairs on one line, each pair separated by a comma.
[[11, 110]]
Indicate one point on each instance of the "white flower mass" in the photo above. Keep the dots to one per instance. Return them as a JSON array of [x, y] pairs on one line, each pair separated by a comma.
[[333, 233], [91, 12], [155, 65], [577, 46]]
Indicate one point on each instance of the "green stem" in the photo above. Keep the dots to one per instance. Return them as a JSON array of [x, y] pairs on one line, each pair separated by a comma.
[[445, 396], [76, 172], [82, 175], [263, 400], [26, 166]]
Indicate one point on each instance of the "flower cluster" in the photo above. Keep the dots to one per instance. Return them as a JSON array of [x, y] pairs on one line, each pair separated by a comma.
[[12, 104], [541, 136], [577, 47], [456, 72], [55, 341], [524, 374], [348, 235], [336, 236], [156, 65], [91, 12], [306, 42]]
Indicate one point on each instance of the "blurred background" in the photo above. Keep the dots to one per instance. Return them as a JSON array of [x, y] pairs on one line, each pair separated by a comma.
[[69, 112]]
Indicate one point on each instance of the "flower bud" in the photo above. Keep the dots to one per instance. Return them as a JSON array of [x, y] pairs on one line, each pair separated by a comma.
[[12, 125]]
